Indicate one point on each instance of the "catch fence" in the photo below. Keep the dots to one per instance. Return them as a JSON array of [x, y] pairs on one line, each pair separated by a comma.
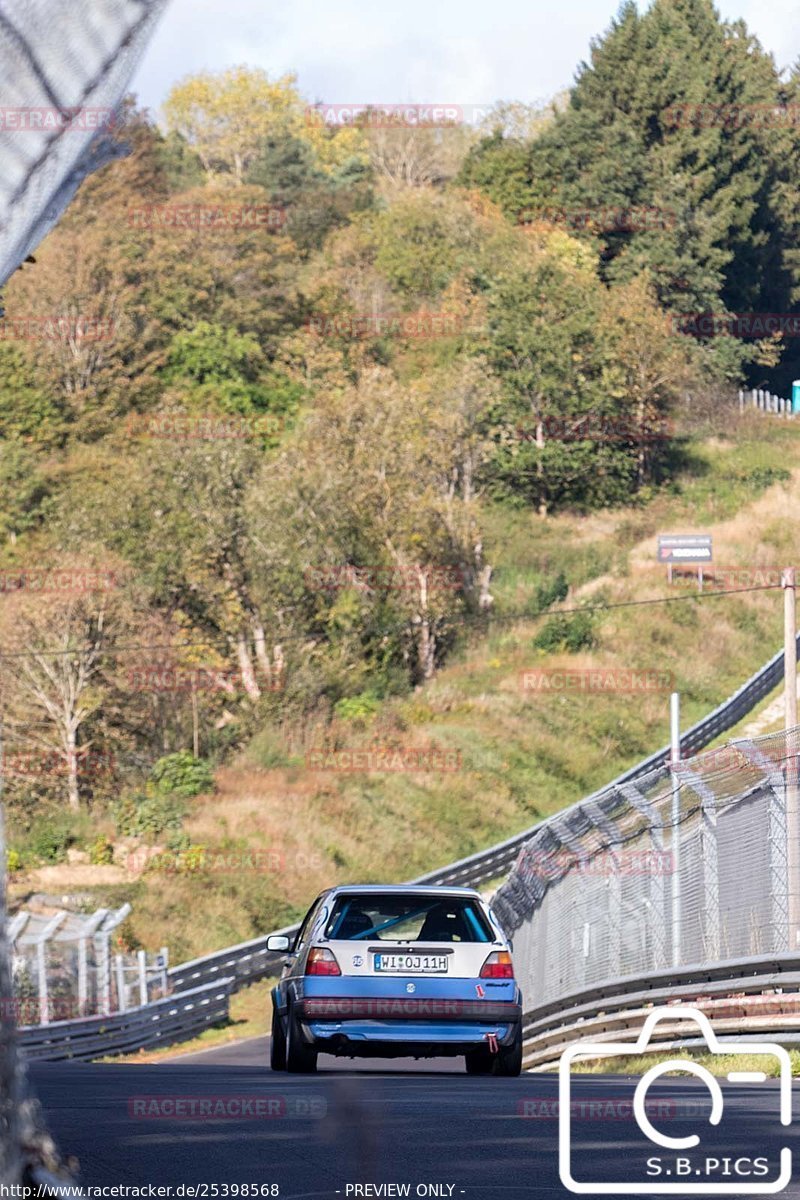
[[692, 863]]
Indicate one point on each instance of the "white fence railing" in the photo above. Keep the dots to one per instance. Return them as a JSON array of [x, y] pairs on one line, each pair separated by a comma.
[[764, 401]]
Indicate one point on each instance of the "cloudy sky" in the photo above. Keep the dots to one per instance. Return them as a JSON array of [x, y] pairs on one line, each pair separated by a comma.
[[425, 51]]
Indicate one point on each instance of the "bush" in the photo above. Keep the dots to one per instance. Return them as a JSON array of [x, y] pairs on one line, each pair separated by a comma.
[[148, 814], [101, 852], [359, 709], [13, 861], [177, 841], [182, 774], [567, 631], [49, 838], [759, 478], [547, 593]]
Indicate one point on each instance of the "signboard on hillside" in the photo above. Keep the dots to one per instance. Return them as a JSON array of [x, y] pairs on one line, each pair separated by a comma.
[[684, 547], [693, 549]]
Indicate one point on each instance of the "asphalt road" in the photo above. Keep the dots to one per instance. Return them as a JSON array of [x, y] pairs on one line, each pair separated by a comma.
[[423, 1126]]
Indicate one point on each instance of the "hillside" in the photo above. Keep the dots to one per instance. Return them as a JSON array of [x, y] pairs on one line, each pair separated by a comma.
[[275, 830]]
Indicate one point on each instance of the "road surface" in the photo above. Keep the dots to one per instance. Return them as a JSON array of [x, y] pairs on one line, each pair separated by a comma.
[[222, 1117]]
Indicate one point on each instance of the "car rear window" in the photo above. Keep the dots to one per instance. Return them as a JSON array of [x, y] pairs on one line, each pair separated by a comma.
[[395, 918]]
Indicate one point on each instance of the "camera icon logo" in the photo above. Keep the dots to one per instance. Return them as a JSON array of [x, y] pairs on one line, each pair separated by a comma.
[[710, 1175]]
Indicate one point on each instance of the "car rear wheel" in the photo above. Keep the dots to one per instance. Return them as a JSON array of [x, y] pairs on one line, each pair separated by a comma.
[[507, 1061], [479, 1062], [277, 1045], [300, 1058]]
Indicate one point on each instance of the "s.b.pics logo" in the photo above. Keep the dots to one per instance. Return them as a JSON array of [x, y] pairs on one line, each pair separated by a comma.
[[702, 1154]]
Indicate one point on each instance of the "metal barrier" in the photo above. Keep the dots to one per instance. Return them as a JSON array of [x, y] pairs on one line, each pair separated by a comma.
[[160, 1023], [761, 993]]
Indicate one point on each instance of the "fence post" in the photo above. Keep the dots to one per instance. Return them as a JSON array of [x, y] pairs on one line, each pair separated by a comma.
[[41, 980], [82, 979], [142, 956], [121, 1005], [103, 973]]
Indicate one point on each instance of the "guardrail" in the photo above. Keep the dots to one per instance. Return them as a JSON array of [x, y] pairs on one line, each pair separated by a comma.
[[251, 961], [160, 1023], [605, 1010]]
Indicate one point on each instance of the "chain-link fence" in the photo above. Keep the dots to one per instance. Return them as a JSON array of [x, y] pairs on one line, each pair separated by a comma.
[[692, 863], [66, 966]]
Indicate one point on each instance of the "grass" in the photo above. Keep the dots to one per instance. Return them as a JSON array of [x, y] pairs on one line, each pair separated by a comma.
[[522, 755], [717, 1064]]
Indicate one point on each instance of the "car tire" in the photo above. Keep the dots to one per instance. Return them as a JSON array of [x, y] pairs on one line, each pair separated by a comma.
[[300, 1058], [479, 1062], [277, 1045], [508, 1060]]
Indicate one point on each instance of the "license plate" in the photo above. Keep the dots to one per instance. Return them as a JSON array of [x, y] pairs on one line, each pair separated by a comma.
[[423, 964]]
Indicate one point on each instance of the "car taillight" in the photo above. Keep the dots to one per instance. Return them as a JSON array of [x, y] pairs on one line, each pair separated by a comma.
[[498, 966], [322, 962]]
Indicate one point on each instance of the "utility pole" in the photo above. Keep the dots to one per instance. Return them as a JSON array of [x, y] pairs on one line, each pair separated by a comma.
[[788, 583], [675, 841]]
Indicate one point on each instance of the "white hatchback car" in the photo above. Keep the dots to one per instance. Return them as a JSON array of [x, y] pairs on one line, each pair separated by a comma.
[[390, 971]]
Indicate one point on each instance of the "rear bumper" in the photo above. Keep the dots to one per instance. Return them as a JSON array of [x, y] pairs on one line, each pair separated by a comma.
[[405, 1009], [414, 1040]]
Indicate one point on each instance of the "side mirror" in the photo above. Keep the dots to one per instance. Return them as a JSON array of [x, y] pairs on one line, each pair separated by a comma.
[[278, 942]]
